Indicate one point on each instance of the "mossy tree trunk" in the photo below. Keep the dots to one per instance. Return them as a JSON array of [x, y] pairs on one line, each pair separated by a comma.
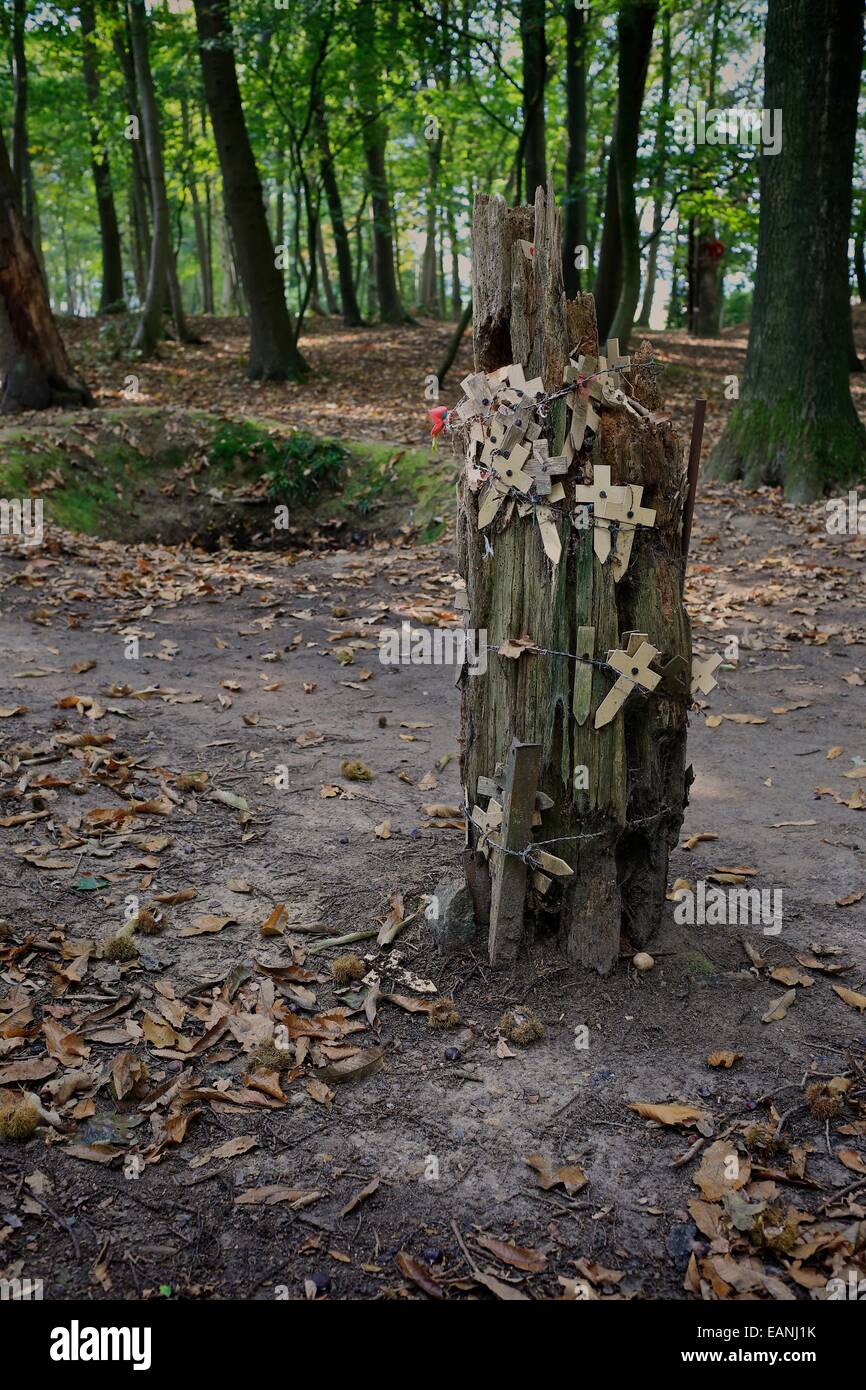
[[795, 423], [636, 775]]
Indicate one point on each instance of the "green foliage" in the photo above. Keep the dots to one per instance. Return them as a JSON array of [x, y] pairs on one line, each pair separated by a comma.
[[299, 469]]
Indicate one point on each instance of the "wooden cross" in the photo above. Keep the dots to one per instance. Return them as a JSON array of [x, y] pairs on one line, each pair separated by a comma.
[[633, 665], [634, 515], [703, 679]]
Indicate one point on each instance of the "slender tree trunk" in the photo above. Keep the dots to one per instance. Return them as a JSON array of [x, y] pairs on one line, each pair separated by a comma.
[[660, 155], [140, 178], [608, 278], [706, 318], [324, 273], [635, 29], [574, 203], [454, 250], [534, 42], [35, 370], [429, 299], [374, 139], [274, 353], [112, 296], [795, 422], [348, 299], [149, 330]]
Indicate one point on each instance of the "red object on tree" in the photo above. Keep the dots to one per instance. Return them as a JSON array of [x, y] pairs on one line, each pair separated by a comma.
[[438, 415], [715, 250]]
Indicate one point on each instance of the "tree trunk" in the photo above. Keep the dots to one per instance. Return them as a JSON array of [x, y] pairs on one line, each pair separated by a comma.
[[534, 41], [454, 255], [324, 273], [36, 372], [140, 184], [660, 156], [348, 298], [860, 252], [628, 808], [706, 318], [21, 165], [429, 298], [795, 422], [608, 277], [274, 353], [374, 139], [574, 218], [149, 330], [112, 295], [635, 30]]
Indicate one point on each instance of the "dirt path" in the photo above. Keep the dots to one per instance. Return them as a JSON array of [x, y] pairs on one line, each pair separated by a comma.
[[247, 656]]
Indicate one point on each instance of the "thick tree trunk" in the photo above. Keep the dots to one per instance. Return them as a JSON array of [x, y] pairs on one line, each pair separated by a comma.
[[705, 319], [112, 295], [35, 370], [630, 802], [274, 353], [21, 163], [660, 156], [534, 41], [574, 216], [795, 422], [635, 29]]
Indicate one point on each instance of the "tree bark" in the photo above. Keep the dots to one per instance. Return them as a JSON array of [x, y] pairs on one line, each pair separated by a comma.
[[112, 296], [637, 780], [795, 422], [574, 219], [534, 41], [374, 139], [36, 372], [635, 30], [274, 353]]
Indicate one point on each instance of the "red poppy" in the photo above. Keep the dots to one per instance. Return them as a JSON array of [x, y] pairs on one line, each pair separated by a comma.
[[438, 415]]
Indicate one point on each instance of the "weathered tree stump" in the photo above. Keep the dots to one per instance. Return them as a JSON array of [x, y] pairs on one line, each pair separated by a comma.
[[614, 825]]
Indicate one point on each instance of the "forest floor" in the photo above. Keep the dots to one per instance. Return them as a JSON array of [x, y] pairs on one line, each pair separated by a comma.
[[392, 1158]]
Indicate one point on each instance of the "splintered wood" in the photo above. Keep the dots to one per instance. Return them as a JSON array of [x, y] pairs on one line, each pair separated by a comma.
[[570, 550]]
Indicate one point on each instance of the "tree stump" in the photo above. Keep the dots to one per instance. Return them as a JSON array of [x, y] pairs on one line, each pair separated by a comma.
[[611, 799]]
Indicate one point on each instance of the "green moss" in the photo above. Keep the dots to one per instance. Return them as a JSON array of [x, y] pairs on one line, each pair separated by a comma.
[[110, 480], [779, 445]]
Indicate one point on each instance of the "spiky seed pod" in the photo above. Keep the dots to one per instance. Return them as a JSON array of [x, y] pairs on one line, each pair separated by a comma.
[[347, 968], [521, 1026]]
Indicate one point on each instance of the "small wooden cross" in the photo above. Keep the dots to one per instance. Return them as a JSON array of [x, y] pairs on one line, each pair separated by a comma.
[[633, 665], [703, 679]]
